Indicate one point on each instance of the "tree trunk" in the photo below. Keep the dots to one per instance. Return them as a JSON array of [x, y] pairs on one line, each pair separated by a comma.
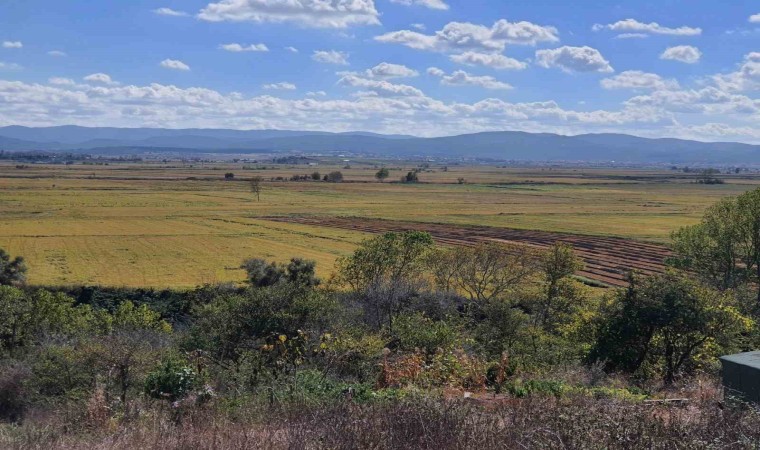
[[644, 351], [757, 269], [669, 365]]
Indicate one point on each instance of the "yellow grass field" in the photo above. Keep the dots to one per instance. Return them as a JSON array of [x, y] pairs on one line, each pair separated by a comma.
[[164, 225]]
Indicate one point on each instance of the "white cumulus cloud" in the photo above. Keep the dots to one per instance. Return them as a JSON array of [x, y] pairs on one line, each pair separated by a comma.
[[379, 106], [492, 60], [727, 107], [174, 64], [57, 53], [747, 78], [574, 59], [330, 57], [234, 47], [458, 37], [101, 78], [755, 18], [682, 53], [462, 78], [309, 13], [636, 79], [388, 71], [634, 26], [380, 88], [12, 44]]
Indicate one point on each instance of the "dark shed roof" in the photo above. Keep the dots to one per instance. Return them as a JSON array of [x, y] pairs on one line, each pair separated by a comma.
[[751, 359]]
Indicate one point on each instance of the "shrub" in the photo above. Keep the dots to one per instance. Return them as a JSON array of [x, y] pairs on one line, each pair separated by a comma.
[[519, 388], [13, 396], [299, 272], [172, 380], [353, 356], [62, 371], [410, 177], [417, 331], [262, 274], [334, 177], [12, 271]]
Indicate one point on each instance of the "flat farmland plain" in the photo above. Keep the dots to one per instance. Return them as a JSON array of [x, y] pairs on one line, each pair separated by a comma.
[[164, 225]]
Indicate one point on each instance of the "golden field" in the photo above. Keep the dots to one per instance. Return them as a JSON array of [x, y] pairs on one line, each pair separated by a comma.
[[179, 225]]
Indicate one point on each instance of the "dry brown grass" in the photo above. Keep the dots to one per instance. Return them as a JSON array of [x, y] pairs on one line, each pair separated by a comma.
[[539, 422], [143, 225]]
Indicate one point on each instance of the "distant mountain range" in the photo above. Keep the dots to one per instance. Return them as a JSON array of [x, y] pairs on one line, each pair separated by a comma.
[[501, 145]]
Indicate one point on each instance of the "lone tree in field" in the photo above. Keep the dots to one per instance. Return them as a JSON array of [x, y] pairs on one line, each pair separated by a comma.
[[410, 177], [12, 272], [382, 174], [256, 187], [334, 177]]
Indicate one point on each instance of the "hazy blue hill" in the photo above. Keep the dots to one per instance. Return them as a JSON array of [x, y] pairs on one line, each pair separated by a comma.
[[8, 143], [504, 145]]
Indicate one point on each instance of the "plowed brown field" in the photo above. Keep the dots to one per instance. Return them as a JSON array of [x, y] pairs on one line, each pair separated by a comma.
[[608, 259]]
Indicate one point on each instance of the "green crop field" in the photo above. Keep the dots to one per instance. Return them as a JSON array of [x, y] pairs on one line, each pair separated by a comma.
[[164, 225]]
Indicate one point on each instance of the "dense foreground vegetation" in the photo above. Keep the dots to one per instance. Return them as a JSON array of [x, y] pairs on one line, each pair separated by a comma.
[[406, 345]]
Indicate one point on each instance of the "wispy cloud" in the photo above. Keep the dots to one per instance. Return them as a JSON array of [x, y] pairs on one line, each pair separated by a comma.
[[634, 26], [237, 48], [170, 12], [101, 78], [330, 57], [174, 64], [282, 86]]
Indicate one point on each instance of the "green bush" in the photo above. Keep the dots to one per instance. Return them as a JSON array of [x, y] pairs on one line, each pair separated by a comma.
[[417, 331], [172, 380], [62, 371], [311, 386], [519, 388]]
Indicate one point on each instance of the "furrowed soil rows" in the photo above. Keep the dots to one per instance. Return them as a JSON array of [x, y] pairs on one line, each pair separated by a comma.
[[608, 259]]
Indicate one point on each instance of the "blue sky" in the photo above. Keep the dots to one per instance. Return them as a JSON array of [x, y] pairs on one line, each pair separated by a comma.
[[424, 67]]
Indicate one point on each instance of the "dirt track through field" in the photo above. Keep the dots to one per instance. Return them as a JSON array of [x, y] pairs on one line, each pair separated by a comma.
[[608, 259]]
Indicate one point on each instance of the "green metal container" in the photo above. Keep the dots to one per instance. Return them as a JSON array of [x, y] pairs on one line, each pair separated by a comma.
[[741, 375]]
